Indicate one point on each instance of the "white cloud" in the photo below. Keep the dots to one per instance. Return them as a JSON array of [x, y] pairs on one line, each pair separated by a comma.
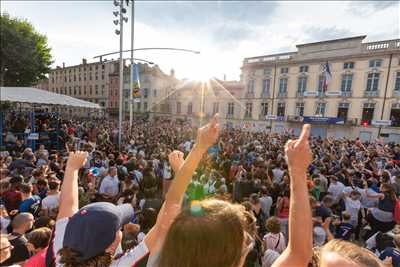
[[85, 29]]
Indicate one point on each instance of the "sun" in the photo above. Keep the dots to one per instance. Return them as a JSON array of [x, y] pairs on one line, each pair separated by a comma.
[[200, 70]]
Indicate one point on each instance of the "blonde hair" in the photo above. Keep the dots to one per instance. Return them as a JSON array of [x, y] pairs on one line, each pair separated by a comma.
[[351, 252], [214, 237]]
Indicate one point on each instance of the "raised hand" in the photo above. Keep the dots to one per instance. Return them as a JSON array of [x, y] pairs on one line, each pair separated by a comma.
[[208, 134], [176, 160], [298, 152], [76, 160]]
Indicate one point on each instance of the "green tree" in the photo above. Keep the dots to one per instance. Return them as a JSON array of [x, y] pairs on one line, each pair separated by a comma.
[[24, 54]]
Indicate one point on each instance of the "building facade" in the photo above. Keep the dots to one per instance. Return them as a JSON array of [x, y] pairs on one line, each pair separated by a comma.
[[199, 101], [282, 91], [155, 86], [86, 81]]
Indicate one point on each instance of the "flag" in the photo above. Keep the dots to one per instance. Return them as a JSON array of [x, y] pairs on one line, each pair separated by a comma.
[[135, 84], [327, 76]]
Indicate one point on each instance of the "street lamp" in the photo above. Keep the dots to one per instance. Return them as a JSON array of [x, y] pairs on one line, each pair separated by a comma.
[[120, 32]]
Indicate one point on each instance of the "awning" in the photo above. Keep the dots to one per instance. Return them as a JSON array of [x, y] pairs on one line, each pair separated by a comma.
[[38, 96]]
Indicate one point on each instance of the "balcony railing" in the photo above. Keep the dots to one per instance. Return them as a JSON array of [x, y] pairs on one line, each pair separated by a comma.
[[282, 94], [248, 116], [371, 93], [299, 94], [346, 93], [249, 95], [383, 45], [265, 94], [396, 93], [229, 116]]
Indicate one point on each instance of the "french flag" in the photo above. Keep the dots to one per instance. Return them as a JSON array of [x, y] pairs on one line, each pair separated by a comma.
[[327, 76]]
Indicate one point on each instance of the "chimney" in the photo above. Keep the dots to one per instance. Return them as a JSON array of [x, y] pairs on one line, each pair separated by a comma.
[[172, 73], [63, 65], [84, 61]]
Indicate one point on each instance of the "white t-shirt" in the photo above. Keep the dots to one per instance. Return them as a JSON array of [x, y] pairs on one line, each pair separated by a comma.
[[51, 202], [130, 258], [367, 202], [4, 223], [336, 190], [187, 146], [109, 186], [352, 207], [266, 203]]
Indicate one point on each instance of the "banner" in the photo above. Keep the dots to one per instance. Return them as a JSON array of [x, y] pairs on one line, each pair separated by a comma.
[[322, 120], [135, 84]]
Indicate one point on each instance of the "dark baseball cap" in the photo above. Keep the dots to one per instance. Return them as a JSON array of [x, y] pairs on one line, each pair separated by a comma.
[[92, 229]]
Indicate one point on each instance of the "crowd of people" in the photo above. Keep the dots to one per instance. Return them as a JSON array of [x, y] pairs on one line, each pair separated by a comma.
[[176, 195]]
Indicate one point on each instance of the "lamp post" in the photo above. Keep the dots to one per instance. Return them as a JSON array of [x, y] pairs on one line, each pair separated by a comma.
[[132, 67], [120, 32]]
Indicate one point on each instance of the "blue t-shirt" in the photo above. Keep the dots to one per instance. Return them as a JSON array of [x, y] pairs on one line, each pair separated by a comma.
[[344, 231], [31, 205], [393, 253]]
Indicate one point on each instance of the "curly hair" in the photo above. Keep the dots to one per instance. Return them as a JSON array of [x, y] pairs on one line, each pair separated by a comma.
[[70, 258]]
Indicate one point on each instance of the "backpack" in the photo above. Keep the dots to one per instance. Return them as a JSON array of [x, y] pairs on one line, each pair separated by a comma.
[[396, 214]]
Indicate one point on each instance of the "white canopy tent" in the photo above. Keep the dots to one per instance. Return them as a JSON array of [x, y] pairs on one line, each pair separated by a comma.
[[38, 96]]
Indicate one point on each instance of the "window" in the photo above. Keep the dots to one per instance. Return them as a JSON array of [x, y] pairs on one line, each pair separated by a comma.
[[249, 110], [300, 109], [65, 78], [281, 109], [231, 108], [343, 110], [320, 110], [266, 84], [84, 90], [284, 70], [145, 106], [348, 65], [96, 77], [368, 113], [155, 93], [102, 76], [267, 71], [302, 84], [264, 109], [74, 78], [79, 90], [69, 90], [178, 107], [102, 89], [215, 107], [372, 82], [90, 76], [397, 83], [90, 68], [395, 115], [102, 66], [347, 80], [250, 87], [375, 63], [189, 108], [283, 82], [96, 67], [303, 68], [96, 89], [145, 92], [321, 79], [138, 106], [90, 90], [74, 90]]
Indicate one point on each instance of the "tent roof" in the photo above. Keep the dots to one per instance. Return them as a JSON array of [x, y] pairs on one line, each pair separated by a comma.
[[38, 96]]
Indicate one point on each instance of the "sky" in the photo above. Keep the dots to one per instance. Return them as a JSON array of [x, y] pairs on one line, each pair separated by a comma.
[[225, 32]]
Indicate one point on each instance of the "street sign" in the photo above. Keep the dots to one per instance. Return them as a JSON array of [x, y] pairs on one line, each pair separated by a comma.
[[270, 117], [337, 93], [310, 93], [381, 122]]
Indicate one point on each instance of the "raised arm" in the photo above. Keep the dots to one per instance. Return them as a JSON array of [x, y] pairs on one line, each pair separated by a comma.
[[206, 137], [69, 201], [299, 249]]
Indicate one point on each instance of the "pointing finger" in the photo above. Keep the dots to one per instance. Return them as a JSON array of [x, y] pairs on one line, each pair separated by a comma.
[[305, 134]]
